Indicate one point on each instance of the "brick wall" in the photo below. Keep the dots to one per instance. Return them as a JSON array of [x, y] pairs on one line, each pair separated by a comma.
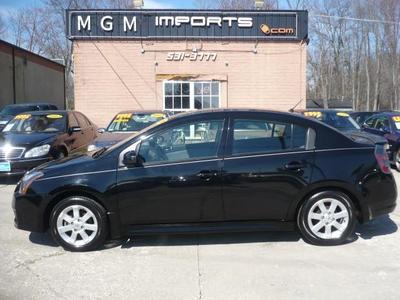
[[111, 76]]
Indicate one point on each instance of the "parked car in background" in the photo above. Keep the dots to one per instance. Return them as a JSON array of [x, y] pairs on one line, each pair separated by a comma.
[[387, 125], [343, 122], [124, 124], [361, 116], [10, 111], [235, 170], [33, 138]]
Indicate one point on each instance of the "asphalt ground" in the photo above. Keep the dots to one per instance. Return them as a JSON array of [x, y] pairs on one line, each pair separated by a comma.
[[266, 265]]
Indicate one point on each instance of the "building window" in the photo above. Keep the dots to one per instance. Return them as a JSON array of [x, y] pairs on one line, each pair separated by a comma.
[[180, 96]]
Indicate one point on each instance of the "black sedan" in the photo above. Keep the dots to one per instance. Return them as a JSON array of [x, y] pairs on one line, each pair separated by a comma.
[[125, 124], [10, 111], [209, 171], [33, 138]]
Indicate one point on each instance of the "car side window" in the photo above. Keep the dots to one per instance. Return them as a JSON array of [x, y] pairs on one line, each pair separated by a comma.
[[81, 120], [72, 120], [370, 122], [381, 123], [262, 136], [189, 141]]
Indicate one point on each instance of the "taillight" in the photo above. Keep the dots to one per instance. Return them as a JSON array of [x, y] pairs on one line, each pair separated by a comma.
[[382, 158]]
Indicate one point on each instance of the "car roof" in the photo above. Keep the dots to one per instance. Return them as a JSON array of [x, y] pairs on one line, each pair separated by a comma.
[[364, 112], [137, 112], [30, 104], [238, 110], [388, 113], [46, 112], [328, 110]]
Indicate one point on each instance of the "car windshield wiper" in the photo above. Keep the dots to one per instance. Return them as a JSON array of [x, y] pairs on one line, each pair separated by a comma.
[[99, 152]]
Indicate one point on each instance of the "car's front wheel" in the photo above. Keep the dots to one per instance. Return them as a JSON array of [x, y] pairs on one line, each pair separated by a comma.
[[79, 224], [327, 218]]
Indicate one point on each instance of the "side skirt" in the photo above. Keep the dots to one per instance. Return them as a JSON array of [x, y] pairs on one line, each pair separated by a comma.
[[218, 227]]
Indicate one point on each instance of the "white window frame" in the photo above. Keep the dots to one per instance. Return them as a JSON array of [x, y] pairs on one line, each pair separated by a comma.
[[191, 94]]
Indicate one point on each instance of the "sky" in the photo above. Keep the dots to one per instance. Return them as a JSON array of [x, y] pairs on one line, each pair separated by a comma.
[[6, 5]]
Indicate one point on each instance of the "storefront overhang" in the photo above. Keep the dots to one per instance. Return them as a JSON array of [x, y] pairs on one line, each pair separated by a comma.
[[187, 24]]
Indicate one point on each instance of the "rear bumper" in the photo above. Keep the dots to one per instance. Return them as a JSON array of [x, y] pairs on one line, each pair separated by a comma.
[[20, 167], [380, 195]]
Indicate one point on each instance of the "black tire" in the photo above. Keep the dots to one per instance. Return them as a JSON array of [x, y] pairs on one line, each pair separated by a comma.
[[97, 219], [338, 236], [59, 154]]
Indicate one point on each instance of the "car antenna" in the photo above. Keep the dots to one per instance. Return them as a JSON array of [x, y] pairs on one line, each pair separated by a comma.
[[294, 107]]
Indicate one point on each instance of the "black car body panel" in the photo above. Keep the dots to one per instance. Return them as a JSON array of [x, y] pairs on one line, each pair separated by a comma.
[[64, 141], [231, 189], [107, 139]]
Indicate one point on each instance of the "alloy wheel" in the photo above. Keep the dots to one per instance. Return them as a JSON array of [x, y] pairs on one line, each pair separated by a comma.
[[77, 225], [328, 219]]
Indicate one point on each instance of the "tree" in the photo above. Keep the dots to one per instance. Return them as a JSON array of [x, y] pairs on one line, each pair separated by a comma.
[[3, 28], [232, 4]]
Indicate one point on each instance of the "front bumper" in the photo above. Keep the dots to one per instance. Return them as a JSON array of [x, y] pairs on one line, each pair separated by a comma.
[[28, 212], [21, 166]]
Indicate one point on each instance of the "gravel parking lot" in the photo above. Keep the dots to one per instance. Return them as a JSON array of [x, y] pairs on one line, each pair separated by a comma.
[[217, 266]]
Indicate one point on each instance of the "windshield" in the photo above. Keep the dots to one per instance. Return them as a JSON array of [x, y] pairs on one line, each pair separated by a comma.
[[36, 123], [117, 145], [11, 110], [129, 122], [340, 120]]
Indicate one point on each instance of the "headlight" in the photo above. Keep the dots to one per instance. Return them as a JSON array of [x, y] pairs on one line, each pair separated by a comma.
[[92, 147], [27, 181], [38, 151]]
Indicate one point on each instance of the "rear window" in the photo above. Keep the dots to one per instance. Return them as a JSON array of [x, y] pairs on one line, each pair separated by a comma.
[[261, 136]]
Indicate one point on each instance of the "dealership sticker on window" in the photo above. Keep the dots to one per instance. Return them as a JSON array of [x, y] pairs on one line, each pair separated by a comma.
[[54, 116], [313, 114], [396, 118], [158, 115], [123, 116], [22, 117], [343, 114]]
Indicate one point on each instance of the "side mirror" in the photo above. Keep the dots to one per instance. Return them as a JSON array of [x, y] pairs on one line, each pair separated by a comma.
[[101, 130], [74, 129], [130, 158], [363, 126]]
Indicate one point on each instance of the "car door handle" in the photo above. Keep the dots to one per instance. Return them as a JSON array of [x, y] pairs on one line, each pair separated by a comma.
[[207, 174], [295, 165]]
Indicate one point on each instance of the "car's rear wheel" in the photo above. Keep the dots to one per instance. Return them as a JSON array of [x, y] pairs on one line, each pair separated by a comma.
[[327, 218], [79, 224]]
